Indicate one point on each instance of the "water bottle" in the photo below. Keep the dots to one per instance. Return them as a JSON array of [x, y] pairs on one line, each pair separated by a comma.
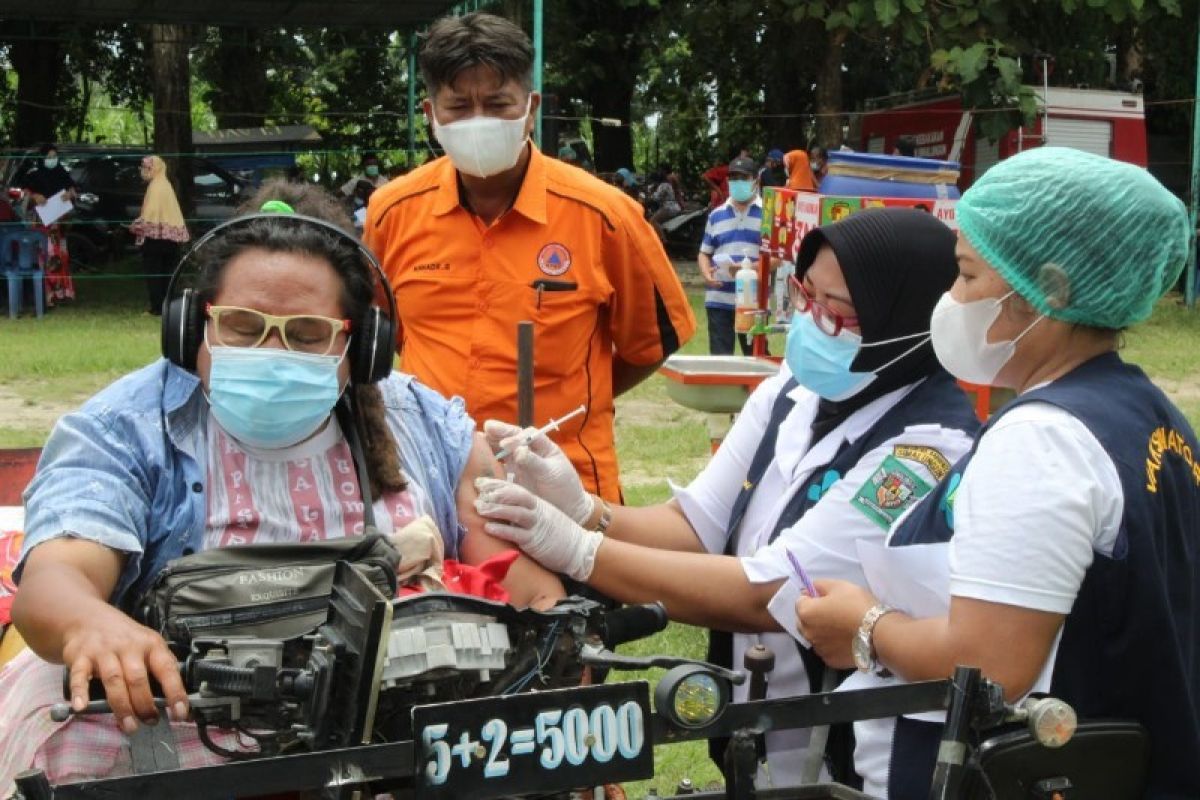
[[746, 293]]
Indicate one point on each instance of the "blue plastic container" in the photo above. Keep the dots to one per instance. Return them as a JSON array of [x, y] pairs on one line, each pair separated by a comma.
[[874, 175]]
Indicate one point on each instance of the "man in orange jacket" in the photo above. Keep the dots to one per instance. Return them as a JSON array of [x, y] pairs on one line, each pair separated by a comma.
[[495, 233]]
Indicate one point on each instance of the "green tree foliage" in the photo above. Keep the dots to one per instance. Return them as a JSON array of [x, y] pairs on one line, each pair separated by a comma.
[[759, 73]]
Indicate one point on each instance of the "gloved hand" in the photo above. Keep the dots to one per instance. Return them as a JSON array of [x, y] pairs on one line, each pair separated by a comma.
[[543, 532], [544, 469]]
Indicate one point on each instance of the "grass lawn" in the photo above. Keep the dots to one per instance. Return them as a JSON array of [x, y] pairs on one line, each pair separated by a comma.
[[49, 366]]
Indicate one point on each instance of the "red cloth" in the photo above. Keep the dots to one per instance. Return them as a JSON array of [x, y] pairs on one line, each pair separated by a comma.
[[482, 580], [720, 176]]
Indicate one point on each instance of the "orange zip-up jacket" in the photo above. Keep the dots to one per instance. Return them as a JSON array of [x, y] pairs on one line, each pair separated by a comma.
[[606, 288]]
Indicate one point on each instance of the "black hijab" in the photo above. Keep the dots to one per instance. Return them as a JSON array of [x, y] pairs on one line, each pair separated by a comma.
[[897, 263]]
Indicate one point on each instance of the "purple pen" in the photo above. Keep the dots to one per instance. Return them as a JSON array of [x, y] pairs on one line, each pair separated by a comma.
[[802, 575]]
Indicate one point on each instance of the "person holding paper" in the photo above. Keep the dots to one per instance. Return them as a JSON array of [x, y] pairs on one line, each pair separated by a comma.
[[52, 190], [48, 178], [859, 424], [1069, 533]]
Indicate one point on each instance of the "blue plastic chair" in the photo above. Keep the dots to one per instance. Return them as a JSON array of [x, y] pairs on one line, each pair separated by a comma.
[[19, 252]]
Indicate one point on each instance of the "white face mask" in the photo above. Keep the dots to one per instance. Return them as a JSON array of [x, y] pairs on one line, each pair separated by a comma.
[[483, 146], [959, 336]]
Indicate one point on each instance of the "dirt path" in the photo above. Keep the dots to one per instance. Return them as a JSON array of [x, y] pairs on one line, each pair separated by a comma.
[[1181, 390], [22, 414]]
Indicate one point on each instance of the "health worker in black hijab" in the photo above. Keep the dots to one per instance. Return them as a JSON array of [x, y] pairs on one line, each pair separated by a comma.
[[888, 259], [858, 426]]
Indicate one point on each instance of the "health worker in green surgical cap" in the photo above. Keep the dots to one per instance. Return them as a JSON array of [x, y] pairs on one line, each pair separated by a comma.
[[1071, 530]]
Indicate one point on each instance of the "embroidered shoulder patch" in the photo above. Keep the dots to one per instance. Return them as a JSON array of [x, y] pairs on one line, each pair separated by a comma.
[[934, 461], [889, 492]]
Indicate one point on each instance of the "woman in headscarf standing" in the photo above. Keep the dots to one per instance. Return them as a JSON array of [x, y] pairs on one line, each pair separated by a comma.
[[859, 424], [799, 172], [159, 229]]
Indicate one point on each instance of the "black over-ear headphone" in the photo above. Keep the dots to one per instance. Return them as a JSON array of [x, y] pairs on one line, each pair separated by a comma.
[[373, 338]]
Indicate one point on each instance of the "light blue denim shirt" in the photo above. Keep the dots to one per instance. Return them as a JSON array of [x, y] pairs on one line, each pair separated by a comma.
[[128, 469]]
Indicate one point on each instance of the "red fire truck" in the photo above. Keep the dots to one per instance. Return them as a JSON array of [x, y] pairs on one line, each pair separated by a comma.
[[1107, 123]]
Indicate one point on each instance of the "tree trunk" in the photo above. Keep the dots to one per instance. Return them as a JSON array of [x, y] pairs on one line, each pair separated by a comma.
[[1129, 56], [612, 99], [239, 95], [85, 101], [829, 91], [786, 85], [39, 64], [616, 40], [173, 106]]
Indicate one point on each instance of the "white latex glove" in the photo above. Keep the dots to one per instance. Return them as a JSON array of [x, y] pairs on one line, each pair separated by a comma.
[[543, 532], [544, 469]]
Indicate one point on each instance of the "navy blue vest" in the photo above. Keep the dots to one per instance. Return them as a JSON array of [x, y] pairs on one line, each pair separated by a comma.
[[1129, 645], [937, 400]]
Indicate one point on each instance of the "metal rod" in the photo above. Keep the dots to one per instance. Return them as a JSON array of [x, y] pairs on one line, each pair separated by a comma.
[[525, 374], [805, 711], [952, 753], [538, 48], [328, 769], [759, 337], [412, 99], [1194, 206]]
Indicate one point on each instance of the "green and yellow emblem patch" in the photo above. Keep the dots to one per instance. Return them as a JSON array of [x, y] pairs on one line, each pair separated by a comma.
[[891, 490]]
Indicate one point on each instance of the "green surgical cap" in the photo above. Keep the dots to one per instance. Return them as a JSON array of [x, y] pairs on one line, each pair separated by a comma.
[[1085, 239]]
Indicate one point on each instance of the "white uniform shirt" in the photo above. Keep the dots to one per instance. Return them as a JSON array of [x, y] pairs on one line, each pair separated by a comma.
[[823, 540], [1038, 499]]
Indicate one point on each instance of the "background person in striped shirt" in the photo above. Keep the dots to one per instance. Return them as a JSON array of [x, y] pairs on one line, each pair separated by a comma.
[[730, 237]]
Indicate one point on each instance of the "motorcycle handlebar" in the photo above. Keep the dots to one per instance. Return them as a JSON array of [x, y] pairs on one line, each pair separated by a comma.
[[629, 623]]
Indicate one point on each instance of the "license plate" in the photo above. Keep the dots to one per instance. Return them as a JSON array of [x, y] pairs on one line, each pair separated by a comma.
[[536, 742]]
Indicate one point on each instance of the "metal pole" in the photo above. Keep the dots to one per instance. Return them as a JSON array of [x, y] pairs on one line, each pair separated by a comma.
[[412, 98], [538, 46], [1194, 206], [1045, 99], [525, 374]]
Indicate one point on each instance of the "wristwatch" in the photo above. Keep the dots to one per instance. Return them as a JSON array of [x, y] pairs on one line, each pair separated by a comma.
[[605, 515], [862, 648]]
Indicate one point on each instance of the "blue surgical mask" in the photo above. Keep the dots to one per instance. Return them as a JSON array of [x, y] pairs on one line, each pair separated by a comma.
[[272, 398], [821, 363], [742, 191], [50, 162]]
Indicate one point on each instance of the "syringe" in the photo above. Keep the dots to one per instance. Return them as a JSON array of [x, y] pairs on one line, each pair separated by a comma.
[[552, 425]]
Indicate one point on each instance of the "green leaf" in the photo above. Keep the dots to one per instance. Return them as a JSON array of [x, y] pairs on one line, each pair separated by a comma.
[[886, 12], [1010, 74], [968, 16], [837, 19], [938, 59], [915, 6], [1028, 104], [1138, 5], [972, 62]]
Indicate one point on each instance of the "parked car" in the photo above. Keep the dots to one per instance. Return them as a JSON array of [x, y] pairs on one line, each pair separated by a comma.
[[109, 179]]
